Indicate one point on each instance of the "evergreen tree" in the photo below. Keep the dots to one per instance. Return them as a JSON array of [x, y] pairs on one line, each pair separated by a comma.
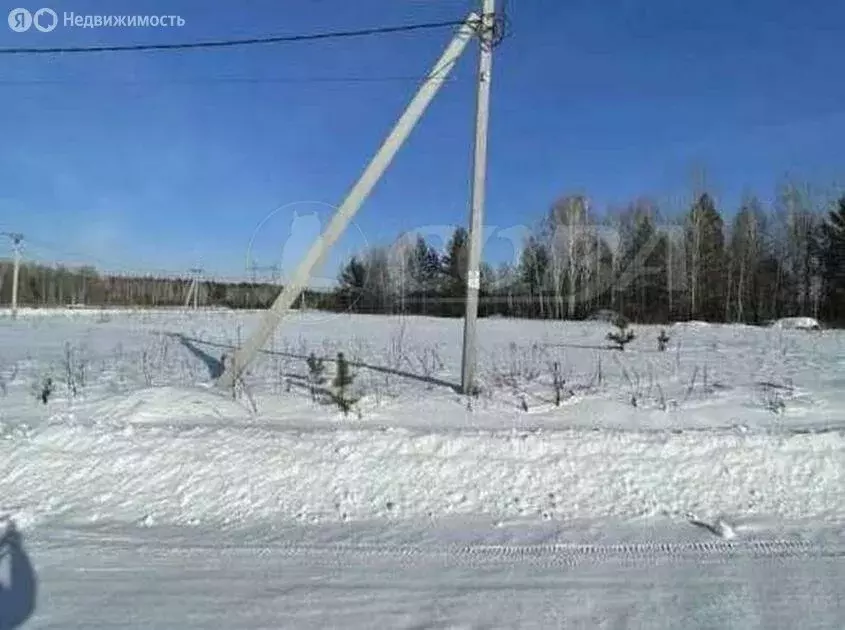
[[377, 286], [706, 250], [454, 272], [354, 275], [342, 380], [643, 264], [533, 270], [833, 257], [800, 236], [425, 273], [426, 264], [487, 279], [353, 281]]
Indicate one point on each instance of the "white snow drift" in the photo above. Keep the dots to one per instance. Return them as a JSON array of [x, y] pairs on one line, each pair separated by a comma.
[[147, 496], [727, 420], [215, 476]]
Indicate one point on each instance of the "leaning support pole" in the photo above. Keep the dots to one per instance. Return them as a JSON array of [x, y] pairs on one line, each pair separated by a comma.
[[240, 359], [476, 220]]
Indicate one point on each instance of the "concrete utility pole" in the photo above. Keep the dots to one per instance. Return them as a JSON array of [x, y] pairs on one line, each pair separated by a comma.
[[16, 241], [476, 222], [236, 364]]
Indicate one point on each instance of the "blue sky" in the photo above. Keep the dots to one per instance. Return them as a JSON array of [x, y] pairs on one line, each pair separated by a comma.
[[159, 161]]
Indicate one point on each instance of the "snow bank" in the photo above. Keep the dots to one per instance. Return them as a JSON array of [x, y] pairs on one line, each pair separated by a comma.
[[72, 311], [218, 476], [797, 323], [172, 406], [693, 323], [638, 433]]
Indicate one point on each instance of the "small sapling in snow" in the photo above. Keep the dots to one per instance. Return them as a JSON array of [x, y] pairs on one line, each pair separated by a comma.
[[623, 335], [316, 378], [558, 383], [46, 390], [342, 380], [662, 340]]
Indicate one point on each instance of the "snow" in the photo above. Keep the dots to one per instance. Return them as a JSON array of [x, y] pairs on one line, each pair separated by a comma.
[[105, 582], [718, 461], [798, 323], [190, 474]]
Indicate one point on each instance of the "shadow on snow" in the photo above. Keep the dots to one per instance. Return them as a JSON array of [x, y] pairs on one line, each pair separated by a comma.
[[18, 589], [215, 365]]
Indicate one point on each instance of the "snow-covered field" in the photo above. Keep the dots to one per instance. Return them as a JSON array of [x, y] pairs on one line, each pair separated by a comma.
[[703, 486]]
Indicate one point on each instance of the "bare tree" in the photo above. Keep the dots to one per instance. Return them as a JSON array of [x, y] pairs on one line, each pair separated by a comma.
[[570, 245], [401, 268], [745, 255]]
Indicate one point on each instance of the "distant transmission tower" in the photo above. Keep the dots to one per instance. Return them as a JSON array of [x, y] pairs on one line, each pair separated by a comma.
[[256, 269], [194, 289]]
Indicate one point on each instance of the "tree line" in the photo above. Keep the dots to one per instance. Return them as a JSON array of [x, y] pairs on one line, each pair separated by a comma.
[[51, 286], [765, 263]]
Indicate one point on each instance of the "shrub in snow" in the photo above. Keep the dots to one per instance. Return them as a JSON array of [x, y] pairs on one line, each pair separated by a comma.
[[558, 383], [6, 379], [316, 378], [662, 340], [623, 335], [342, 380], [430, 361], [772, 397], [46, 390], [76, 369]]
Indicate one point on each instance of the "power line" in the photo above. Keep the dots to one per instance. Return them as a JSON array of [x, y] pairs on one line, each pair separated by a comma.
[[229, 43], [51, 254], [418, 79], [220, 79]]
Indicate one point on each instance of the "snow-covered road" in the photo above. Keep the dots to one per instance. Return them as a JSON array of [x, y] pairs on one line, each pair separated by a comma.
[[129, 583]]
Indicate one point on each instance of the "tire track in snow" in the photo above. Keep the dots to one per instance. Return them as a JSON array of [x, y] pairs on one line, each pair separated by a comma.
[[547, 555]]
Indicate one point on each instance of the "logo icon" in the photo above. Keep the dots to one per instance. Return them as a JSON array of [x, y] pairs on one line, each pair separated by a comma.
[[45, 20], [48, 23], [20, 20]]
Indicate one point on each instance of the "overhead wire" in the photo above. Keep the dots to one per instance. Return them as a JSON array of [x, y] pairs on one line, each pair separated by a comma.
[[49, 254], [216, 80], [230, 43], [46, 247]]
